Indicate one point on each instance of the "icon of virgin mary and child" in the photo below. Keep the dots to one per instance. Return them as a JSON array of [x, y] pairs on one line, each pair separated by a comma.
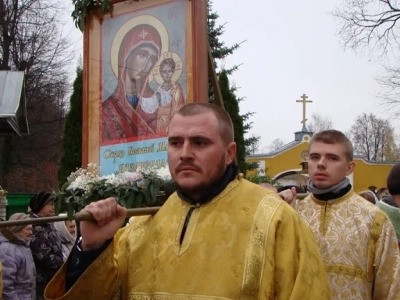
[[135, 109]]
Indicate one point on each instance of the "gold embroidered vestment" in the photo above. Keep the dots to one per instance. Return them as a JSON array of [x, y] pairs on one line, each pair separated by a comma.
[[358, 247], [245, 244]]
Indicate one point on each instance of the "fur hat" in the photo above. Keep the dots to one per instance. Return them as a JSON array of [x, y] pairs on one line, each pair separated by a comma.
[[17, 217], [39, 200], [393, 180]]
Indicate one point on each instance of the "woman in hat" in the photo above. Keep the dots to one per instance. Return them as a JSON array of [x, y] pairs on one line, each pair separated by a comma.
[[45, 243], [18, 267]]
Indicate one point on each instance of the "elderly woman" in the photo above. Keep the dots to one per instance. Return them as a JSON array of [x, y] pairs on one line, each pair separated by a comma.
[[45, 244], [66, 230], [19, 275]]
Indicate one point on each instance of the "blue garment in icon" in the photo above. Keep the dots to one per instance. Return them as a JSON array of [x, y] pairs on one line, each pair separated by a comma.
[[133, 100]]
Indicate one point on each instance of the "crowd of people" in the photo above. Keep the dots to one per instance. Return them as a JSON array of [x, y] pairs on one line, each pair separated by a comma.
[[31, 255], [388, 198], [220, 236]]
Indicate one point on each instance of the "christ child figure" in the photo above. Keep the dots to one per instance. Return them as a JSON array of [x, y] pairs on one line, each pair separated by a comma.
[[169, 95]]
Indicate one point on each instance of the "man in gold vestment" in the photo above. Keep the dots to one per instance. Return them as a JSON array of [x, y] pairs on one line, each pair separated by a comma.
[[218, 237], [357, 240]]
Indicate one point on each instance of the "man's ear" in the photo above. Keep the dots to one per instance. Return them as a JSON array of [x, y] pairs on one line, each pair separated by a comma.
[[230, 153], [350, 168]]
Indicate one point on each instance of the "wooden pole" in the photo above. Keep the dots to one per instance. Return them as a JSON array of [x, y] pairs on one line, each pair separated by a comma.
[[214, 80], [80, 216], [86, 216]]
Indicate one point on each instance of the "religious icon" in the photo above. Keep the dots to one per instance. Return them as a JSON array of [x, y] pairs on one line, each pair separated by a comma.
[[135, 109], [142, 64], [138, 53]]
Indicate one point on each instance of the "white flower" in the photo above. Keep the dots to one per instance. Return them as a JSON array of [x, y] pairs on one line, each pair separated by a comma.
[[112, 179], [132, 177], [81, 178], [164, 173], [86, 179], [78, 183], [84, 176]]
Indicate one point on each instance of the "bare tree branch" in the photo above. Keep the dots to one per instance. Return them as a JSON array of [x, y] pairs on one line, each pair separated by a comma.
[[275, 145], [373, 138], [31, 41], [369, 24], [319, 123]]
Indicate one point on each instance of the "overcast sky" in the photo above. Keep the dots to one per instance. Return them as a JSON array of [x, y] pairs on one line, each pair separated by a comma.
[[292, 48]]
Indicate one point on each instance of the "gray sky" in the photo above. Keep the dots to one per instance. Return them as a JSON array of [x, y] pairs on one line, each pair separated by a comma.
[[292, 48]]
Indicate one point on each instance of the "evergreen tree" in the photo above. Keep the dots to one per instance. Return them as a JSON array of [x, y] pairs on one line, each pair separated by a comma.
[[218, 48], [220, 51], [251, 142], [232, 107], [72, 139]]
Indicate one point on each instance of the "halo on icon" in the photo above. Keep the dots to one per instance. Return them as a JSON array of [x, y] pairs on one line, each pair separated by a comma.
[[155, 74], [128, 25]]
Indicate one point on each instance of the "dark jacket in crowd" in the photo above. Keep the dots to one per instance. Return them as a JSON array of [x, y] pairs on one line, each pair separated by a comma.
[[47, 254], [19, 275]]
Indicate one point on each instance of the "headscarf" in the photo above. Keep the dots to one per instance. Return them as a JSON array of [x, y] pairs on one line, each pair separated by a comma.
[[17, 217], [63, 231]]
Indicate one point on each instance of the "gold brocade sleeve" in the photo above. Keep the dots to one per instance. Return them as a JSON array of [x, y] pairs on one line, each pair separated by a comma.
[[295, 257], [99, 281], [386, 260]]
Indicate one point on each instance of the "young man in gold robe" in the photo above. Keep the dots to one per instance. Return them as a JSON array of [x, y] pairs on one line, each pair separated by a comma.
[[218, 237], [357, 240]]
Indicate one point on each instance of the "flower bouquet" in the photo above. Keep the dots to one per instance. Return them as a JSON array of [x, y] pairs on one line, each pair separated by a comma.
[[131, 189]]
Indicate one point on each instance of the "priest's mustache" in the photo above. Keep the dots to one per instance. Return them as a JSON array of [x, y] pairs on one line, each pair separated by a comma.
[[184, 166]]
